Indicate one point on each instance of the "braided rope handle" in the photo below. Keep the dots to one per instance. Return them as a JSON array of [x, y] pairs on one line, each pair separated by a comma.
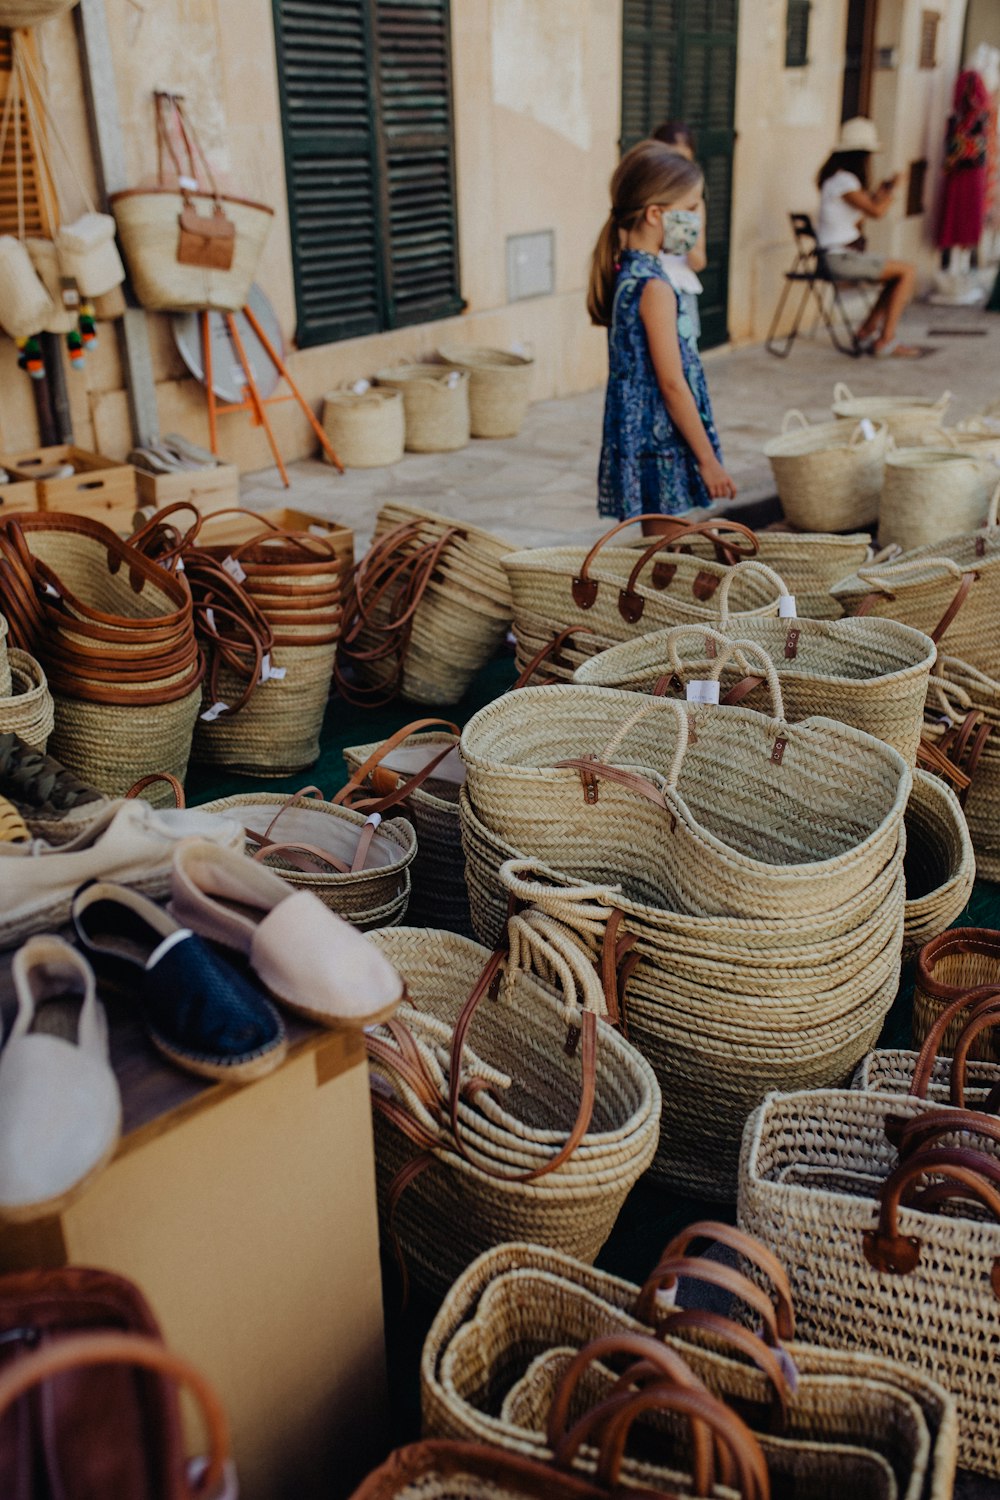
[[759, 569]]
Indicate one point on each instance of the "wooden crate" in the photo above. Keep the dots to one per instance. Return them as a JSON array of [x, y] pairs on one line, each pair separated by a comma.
[[235, 529], [20, 495], [207, 489], [100, 488]]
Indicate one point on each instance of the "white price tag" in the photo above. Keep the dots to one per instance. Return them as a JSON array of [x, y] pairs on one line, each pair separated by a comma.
[[190, 184], [703, 690], [374, 819], [868, 429], [211, 714], [269, 673], [210, 617], [786, 607], [232, 567], [361, 386], [453, 379]]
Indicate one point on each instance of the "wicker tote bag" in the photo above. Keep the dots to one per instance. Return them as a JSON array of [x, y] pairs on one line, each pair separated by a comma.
[[515, 1320], [932, 493], [962, 1079], [419, 771], [366, 427], [940, 864], [948, 589], [875, 1261], [524, 1116], [872, 674], [907, 418], [828, 475], [950, 967]]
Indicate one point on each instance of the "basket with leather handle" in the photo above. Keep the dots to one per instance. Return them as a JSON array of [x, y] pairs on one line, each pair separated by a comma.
[[614, 593], [912, 1275], [810, 562], [948, 1068], [521, 1345], [961, 743], [950, 966], [521, 1115], [828, 474], [948, 589]]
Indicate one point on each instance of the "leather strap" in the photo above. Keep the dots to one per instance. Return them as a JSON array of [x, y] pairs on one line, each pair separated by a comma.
[[698, 1405], [549, 652], [712, 1273], [702, 1320], [975, 1002], [752, 1250], [151, 780], [980, 942], [359, 781], [891, 1253]]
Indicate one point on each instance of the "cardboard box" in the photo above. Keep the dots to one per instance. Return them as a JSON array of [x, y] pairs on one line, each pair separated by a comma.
[[208, 489], [248, 1218], [100, 487]]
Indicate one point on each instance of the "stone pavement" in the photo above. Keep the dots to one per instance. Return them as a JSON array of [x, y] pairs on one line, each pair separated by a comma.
[[539, 488]]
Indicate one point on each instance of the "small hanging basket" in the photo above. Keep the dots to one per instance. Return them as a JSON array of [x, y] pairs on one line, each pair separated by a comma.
[[367, 428], [436, 400], [499, 387]]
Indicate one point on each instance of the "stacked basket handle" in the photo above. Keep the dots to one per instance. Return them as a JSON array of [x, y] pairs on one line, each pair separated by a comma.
[[981, 1001], [584, 588]]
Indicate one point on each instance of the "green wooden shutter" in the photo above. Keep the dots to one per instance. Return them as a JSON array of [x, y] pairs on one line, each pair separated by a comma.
[[417, 159], [649, 52], [797, 33]]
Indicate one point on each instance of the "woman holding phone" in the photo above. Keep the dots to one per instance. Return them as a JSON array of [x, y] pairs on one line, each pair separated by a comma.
[[846, 200]]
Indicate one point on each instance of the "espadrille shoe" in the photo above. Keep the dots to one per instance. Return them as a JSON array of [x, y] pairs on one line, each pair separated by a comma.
[[40, 785], [309, 958], [198, 1011], [13, 828], [60, 1109]]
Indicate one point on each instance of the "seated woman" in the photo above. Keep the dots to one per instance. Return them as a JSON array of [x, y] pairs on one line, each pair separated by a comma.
[[845, 201]]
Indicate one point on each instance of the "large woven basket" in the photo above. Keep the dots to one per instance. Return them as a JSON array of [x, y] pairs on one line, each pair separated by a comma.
[[948, 968], [940, 864], [292, 834], [499, 1325], [809, 562], [436, 399], [420, 773], [872, 674], [829, 475], [147, 220], [113, 745], [499, 387], [277, 732], [932, 493], [504, 1171], [948, 589], [907, 418], [907, 1282], [27, 709], [367, 428]]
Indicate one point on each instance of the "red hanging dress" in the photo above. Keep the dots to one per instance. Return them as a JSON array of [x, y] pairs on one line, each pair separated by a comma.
[[963, 207]]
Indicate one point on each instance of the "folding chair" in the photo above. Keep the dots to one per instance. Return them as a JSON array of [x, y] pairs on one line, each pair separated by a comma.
[[811, 272]]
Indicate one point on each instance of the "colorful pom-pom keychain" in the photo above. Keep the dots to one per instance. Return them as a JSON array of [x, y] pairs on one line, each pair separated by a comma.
[[30, 357]]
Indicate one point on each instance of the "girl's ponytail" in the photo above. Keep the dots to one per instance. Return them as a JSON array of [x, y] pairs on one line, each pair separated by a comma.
[[649, 173], [601, 291]]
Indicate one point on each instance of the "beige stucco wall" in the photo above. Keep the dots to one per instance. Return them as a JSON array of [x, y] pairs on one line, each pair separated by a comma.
[[536, 86]]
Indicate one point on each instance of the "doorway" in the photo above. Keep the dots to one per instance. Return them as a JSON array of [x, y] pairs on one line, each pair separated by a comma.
[[859, 59], [679, 62]]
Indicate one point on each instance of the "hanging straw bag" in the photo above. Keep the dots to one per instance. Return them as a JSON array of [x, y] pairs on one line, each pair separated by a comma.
[[157, 225], [940, 864], [907, 418], [421, 773], [367, 428], [357, 866], [895, 1276], [499, 387], [501, 1347], [436, 401], [948, 589], [829, 477], [526, 1115], [872, 674], [933, 493]]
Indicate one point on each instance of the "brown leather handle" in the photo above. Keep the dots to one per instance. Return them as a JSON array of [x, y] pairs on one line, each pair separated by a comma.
[[565, 1442], [79, 1351], [155, 530], [885, 1249], [671, 530], [357, 781], [976, 1002], [743, 1340], [699, 1406], [979, 942], [631, 604], [713, 1273], [751, 1250], [925, 1130], [593, 771], [151, 780], [549, 651]]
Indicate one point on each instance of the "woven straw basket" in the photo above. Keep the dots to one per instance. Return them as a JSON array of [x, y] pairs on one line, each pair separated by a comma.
[[963, 722], [902, 1281], [27, 709], [292, 834], [520, 1307], [499, 387], [948, 968], [829, 476], [809, 562], [420, 773], [907, 418], [875, 678], [147, 228], [112, 745], [5, 683], [503, 1171], [436, 400], [466, 1471], [932, 493], [936, 1072], [367, 428], [16, 13], [277, 732], [948, 589], [940, 864], [979, 436]]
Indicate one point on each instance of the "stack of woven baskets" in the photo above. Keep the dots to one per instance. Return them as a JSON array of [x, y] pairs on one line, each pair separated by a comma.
[[740, 877], [115, 636], [429, 606], [25, 701]]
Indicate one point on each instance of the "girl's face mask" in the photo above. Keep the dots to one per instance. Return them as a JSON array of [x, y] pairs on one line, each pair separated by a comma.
[[681, 228]]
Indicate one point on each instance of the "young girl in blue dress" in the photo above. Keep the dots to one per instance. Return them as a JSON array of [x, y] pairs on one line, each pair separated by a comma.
[[661, 451]]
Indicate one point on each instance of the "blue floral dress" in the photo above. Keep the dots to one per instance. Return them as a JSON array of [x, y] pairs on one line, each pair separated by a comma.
[[646, 464]]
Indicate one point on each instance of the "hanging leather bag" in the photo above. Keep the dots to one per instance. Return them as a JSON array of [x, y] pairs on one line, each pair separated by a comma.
[[206, 240]]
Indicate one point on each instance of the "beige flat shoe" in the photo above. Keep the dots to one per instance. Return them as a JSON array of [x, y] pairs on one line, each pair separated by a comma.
[[60, 1109], [309, 958]]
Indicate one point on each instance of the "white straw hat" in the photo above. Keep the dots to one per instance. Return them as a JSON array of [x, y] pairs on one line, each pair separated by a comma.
[[858, 134]]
